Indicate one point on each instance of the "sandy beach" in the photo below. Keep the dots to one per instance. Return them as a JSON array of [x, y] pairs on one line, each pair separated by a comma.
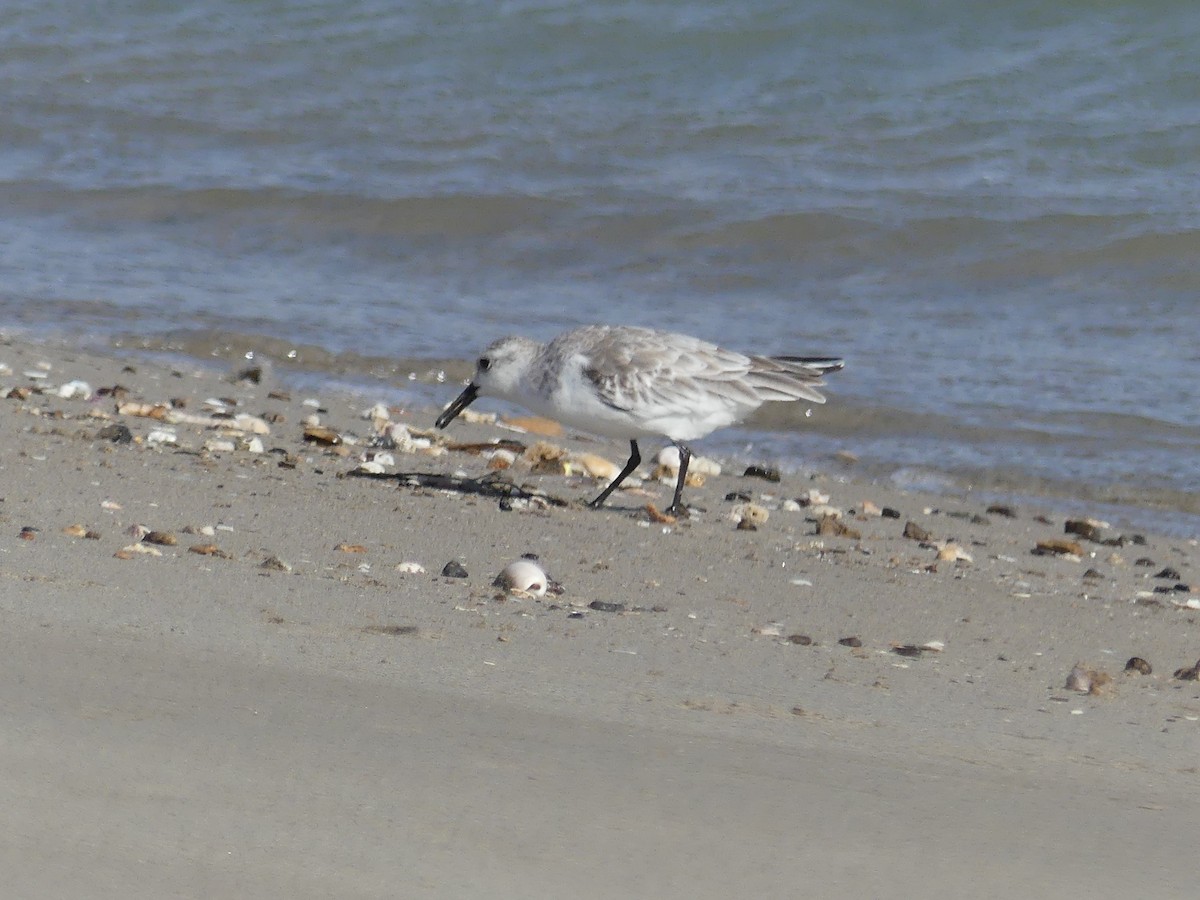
[[222, 680]]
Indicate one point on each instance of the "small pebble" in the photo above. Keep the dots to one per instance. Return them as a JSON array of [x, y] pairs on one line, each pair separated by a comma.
[[1168, 572], [802, 640], [850, 642], [454, 569], [766, 473], [601, 606], [915, 532]]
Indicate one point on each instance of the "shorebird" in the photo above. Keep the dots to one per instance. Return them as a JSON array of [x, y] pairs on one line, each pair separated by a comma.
[[626, 382]]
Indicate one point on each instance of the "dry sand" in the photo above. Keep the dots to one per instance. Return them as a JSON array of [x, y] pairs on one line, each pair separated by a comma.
[[192, 724]]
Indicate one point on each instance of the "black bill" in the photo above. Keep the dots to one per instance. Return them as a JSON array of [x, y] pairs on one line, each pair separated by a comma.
[[461, 402]]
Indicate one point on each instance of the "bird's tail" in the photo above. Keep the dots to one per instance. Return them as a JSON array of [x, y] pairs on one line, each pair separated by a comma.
[[793, 377]]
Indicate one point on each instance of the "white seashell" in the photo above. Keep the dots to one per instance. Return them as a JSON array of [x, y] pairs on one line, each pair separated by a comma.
[[524, 576], [1189, 603], [35, 375], [206, 530], [384, 459], [790, 506], [161, 436], [252, 445], [312, 402], [75, 389], [410, 568], [935, 646], [371, 467], [816, 498], [312, 420], [377, 412]]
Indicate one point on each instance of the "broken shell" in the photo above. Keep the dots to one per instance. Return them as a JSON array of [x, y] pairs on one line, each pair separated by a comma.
[[75, 390], [219, 445], [596, 466], [249, 423], [319, 434], [524, 576], [501, 458], [751, 513], [1087, 681], [1139, 665], [162, 538], [869, 508], [350, 548], [544, 457], [145, 410], [1060, 547], [161, 436], [953, 553], [410, 568], [134, 549], [75, 531], [772, 630]]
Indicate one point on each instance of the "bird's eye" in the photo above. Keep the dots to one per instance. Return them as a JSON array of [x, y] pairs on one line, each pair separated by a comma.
[[484, 364]]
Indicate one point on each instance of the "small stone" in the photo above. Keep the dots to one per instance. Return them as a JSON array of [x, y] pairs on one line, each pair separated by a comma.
[[1168, 572], [1144, 561], [889, 513], [766, 473], [162, 538], [802, 640], [737, 497], [602, 606], [1092, 575], [117, 433], [28, 533], [907, 650], [852, 641], [915, 532], [1088, 529], [1000, 509], [1139, 665], [835, 527], [391, 630], [454, 569], [1192, 673]]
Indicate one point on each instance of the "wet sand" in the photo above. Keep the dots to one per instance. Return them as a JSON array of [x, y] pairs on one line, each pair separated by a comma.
[[192, 723]]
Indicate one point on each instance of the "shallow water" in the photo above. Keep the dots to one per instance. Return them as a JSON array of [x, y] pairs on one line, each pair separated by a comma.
[[991, 213]]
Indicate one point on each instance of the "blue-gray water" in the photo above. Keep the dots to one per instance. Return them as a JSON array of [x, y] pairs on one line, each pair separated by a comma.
[[992, 211]]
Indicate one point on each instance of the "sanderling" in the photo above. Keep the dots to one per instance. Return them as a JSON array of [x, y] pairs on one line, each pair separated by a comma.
[[626, 382]]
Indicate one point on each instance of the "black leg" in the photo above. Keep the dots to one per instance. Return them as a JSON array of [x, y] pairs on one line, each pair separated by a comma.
[[685, 456], [635, 460]]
